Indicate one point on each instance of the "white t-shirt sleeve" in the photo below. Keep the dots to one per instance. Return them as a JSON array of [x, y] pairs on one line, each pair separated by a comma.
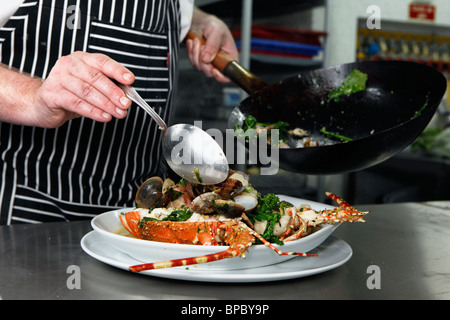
[[187, 10], [8, 8]]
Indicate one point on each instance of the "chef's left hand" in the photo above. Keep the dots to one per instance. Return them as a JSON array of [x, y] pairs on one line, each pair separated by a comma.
[[218, 37]]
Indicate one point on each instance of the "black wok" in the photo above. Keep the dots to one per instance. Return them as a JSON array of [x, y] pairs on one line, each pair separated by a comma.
[[399, 101]]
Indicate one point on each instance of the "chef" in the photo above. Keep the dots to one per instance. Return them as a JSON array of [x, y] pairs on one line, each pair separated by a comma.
[[72, 145]]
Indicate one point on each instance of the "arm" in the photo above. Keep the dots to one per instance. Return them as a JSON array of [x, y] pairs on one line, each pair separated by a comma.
[[218, 37], [78, 85], [16, 96]]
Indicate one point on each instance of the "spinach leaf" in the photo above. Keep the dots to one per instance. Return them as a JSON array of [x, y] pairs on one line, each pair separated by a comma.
[[354, 82]]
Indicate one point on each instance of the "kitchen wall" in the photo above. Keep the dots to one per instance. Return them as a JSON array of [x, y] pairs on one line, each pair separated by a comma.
[[342, 19]]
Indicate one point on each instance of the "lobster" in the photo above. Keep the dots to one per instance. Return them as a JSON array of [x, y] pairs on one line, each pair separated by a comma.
[[238, 233]]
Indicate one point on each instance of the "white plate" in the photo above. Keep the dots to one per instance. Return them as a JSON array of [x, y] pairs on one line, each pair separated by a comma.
[[108, 225], [332, 253]]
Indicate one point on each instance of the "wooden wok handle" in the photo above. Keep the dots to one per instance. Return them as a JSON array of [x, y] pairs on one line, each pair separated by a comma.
[[232, 69]]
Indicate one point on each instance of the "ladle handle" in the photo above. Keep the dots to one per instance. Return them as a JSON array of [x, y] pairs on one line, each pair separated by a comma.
[[134, 96], [232, 69]]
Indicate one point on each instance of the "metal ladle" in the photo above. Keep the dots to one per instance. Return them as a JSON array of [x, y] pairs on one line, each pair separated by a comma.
[[191, 152]]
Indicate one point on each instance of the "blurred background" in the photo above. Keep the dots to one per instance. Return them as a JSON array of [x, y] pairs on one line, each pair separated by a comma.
[[279, 39]]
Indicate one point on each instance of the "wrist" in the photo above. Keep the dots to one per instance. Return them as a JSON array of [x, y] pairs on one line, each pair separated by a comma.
[[200, 19]]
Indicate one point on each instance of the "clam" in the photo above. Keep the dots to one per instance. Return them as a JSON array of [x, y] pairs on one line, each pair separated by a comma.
[[203, 203], [168, 184], [149, 194], [247, 200]]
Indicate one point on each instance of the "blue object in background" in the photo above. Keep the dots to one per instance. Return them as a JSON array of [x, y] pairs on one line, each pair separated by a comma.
[[283, 47]]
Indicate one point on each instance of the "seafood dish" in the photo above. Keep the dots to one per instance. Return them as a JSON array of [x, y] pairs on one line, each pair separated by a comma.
[[231, 213]]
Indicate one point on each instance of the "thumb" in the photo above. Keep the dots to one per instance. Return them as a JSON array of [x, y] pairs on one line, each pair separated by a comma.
[[210, 49], [208, 57]]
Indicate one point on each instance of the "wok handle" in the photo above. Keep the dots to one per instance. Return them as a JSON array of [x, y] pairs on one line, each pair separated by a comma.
[[232, 69]]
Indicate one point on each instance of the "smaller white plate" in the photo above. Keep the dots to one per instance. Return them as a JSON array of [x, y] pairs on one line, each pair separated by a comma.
[[332, 253]]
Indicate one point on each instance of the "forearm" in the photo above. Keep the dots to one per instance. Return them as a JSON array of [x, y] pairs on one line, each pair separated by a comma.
[[17, 92]]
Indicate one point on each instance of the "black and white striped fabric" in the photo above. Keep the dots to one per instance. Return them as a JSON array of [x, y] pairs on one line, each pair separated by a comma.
[[85, 167]]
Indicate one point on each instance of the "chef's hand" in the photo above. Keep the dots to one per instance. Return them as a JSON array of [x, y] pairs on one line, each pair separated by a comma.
[[80, 85], [218, 37]]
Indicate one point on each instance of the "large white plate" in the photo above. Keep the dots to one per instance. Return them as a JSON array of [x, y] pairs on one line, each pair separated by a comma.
[[108, 225], [332, 253]]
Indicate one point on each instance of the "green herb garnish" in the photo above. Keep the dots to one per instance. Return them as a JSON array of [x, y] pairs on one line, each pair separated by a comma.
[[268, 209], [334, 135], [197, 175], [419, 112], [250, 123], [182, 214], [354, 82]]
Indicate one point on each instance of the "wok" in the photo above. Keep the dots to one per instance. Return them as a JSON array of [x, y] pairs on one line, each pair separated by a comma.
[[399, 101]]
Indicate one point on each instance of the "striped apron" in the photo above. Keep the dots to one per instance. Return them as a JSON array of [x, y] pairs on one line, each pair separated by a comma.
[[84, 167]]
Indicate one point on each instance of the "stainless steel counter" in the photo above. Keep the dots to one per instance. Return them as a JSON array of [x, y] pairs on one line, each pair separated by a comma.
[[408, 246]]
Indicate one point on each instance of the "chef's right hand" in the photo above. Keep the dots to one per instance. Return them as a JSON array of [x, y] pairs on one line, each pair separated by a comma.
[[80, 85]]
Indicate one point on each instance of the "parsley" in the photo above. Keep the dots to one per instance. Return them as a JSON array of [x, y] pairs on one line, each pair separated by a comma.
[[268, 204], [182, 214], [268, 209]]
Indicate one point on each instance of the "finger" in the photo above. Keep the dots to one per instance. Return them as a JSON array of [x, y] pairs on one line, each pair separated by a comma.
[[210, 49], [74, 104], [230, 48], [212, 72], [195, 54], [92, 96], [109, 67], [95, 78], [189, 48], [219, 76], [214, 43], [114, 70], [207, 69]]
